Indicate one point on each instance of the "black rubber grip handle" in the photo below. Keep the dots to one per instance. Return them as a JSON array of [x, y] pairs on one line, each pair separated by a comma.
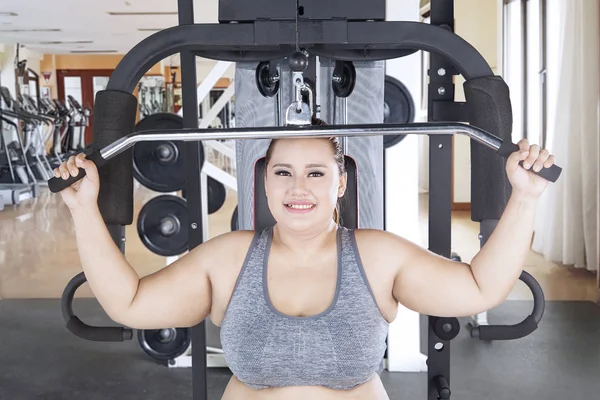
[[550, 174], [58, 184], [442, 387], [505, 332], [98, 334]]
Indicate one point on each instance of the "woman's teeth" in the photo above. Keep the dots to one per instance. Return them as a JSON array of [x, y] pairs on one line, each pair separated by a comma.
[[300, 206]]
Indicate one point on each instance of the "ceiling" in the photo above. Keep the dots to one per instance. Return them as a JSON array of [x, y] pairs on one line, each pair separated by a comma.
[[92, 26]]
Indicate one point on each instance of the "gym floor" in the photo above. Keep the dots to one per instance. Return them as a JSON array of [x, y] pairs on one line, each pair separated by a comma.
[[42, 360]]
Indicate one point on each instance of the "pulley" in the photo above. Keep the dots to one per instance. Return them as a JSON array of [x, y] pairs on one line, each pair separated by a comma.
[[445, 328], [344, 78], [165, 344], [267, 79]]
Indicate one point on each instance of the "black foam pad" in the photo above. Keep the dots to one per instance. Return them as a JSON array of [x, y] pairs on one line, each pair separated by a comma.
[[510, 332], [489, 108], [349, 202], [114, 117]]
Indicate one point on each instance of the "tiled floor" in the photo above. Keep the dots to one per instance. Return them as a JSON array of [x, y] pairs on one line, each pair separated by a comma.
[[38, 253]]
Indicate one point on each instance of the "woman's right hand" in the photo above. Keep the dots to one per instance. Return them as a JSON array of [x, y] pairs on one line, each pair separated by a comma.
[[84, 192]]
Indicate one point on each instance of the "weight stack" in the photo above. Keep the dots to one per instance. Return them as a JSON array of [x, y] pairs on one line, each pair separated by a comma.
[[364, 106]]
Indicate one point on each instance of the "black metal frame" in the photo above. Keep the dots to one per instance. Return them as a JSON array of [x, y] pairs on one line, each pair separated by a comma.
[[441, 107], [252, 10], [267, 40], [271, 40], [193, 189]]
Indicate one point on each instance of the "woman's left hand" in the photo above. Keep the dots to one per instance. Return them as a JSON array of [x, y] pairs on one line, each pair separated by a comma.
[[522, 179]]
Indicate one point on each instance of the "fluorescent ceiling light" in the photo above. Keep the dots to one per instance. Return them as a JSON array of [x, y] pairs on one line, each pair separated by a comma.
[[30, 30], [93, 51], [121, 14], [67, 42]]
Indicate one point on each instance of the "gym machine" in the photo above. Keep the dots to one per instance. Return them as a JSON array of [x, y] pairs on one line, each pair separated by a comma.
[[278, 42], [22, 170], [14, 186]]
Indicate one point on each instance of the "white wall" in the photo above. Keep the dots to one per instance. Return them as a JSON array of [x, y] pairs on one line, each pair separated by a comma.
[[7, 65], [7, 70], [203, 67], [478, 23], [7, 79]]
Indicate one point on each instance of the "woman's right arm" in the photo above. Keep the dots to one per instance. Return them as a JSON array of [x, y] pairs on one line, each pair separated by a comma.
[[176, 296], [179, 295]]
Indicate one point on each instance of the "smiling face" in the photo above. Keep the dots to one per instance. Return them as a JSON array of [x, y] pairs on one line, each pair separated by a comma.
[[304, 179]]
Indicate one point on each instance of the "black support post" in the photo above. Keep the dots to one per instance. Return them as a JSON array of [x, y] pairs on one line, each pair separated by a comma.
[[193, 192], [441, 97]]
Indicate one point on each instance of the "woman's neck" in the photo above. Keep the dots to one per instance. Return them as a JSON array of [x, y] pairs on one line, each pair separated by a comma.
[[307, 243]]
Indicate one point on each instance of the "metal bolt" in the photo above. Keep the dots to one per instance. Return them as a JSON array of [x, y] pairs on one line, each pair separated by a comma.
[[336, 78], [441, 72], [480, 236], [194, 225], [441, 90], [440, 146], [273, 79]]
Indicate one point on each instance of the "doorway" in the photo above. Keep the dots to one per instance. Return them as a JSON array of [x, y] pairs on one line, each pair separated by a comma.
[[83, 86]]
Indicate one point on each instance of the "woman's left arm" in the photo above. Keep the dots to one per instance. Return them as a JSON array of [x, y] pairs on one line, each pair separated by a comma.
[[434, 285]]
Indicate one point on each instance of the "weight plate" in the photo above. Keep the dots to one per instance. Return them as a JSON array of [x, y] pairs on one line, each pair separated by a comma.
[[398, 108], [160, 165], [165, 344], [163, 225], [235, 224], [216, 195]]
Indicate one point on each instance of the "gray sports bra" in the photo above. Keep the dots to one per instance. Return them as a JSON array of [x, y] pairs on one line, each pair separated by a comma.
[[340, 348]]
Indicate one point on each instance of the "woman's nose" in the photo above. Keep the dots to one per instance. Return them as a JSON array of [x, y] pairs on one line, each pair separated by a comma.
[[299, 184]]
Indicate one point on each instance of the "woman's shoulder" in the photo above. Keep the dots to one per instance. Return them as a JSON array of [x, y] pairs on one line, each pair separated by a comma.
[[379, 242], [228, 248], [370, 235], [232, 240]]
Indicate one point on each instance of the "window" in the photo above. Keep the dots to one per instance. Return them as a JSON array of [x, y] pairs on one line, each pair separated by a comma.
[[524, 50]]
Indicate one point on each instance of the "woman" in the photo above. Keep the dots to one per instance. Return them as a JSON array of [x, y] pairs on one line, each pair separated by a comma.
[[304, 306]]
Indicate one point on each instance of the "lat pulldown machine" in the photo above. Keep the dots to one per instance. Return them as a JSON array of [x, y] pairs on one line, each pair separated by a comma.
[[284, 41]]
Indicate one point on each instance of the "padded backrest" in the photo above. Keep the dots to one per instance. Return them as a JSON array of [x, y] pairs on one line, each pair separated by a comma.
[[348, 204]]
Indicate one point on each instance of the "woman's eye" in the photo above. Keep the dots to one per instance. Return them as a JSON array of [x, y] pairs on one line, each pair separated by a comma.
[[311, 174]]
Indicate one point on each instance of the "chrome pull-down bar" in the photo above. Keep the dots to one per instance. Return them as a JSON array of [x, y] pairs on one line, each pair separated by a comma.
[[503, 148]]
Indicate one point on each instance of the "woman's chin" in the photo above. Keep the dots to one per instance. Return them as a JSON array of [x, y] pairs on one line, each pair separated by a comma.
[[301, 225]]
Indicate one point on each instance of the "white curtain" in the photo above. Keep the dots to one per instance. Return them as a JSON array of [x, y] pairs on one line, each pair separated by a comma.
[[566, 229]]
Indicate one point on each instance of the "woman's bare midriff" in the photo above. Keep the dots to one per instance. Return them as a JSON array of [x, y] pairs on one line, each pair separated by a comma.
[[371, 390]]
